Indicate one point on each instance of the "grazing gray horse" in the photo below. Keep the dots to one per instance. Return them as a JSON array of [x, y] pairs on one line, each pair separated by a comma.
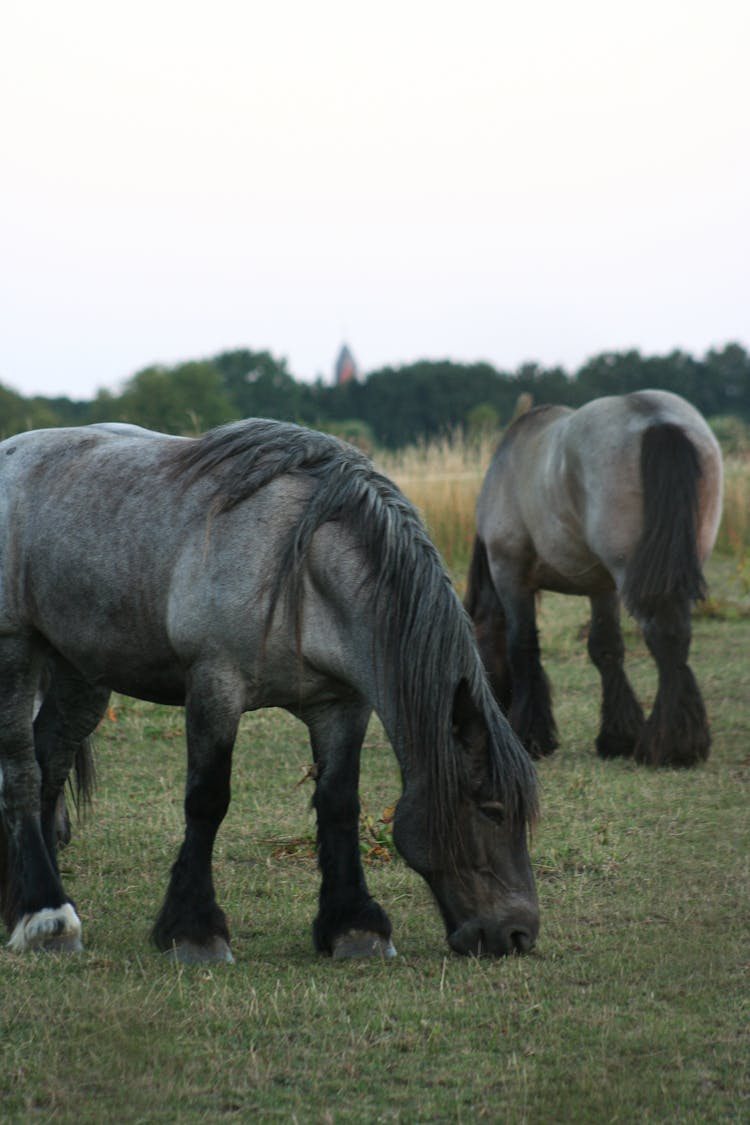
[[621, 498], [261, 565]]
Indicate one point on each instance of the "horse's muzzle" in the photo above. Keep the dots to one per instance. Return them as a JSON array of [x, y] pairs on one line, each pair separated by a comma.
[[479, 938]]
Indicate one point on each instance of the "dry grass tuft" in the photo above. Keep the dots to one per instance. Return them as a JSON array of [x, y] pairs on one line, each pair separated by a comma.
[[443, 478]]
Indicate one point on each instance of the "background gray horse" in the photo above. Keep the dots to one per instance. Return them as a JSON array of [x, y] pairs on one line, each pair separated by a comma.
[[261, 565], [621, 498]]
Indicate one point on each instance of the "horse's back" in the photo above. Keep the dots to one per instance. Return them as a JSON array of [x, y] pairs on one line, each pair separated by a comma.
[[88, 543], [42, 468]]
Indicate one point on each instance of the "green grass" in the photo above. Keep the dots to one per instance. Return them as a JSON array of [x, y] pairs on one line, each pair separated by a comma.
[[634, 1006]]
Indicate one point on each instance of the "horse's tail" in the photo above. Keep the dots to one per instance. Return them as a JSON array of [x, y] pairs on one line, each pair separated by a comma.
[[83, 780], [485, 609], [666, 563], [84, 769], [479, 581], [81, 786]]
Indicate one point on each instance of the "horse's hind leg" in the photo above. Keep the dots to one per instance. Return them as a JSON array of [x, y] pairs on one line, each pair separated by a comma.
[[676, 732], [350, 923], [34, 905], [191, 926], [70, 711], [622, 717]]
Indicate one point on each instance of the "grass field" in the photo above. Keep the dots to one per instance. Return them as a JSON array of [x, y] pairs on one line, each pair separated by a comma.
[[634, 1006]]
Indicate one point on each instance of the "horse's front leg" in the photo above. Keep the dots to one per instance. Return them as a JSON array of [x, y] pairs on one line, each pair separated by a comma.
[[191, 926], [531, 703], [350, 923], [622, 716], [35, 907]]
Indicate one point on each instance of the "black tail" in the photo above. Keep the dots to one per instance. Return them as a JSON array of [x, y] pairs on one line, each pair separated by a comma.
[[479, 586], [665, 563], [81, 786], [484, 607], [85, 775]]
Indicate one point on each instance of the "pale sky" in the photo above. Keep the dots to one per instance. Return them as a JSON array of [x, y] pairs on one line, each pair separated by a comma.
[[477, 180]]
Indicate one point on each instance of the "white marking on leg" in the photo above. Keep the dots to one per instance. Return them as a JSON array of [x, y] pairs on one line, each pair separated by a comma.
[[35, 930]]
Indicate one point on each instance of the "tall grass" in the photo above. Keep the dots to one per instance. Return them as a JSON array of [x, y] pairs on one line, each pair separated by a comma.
[[442, 478], [734, 532]]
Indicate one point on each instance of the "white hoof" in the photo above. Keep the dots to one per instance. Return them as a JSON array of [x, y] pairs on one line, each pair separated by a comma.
[[50, 930], [361, 943], [190, 953]]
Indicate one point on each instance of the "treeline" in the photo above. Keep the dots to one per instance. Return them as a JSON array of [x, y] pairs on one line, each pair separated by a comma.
[[391, 407]]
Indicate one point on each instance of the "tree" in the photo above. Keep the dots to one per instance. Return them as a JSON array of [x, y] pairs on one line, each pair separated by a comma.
[[425, 399], [727, 375], [611, 373], [188, 398], [18, 414], [397, 405], [259, 386], [482, 420]]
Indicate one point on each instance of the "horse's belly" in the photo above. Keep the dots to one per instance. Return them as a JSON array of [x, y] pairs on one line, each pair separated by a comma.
[[152, 686], [582, 576], [146, 672]]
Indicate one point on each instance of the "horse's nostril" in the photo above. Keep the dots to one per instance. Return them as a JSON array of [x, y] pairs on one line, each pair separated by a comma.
[[476, 940], [521, 941]]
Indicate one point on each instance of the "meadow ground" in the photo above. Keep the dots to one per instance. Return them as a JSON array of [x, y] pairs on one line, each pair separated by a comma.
[[634, 1006]]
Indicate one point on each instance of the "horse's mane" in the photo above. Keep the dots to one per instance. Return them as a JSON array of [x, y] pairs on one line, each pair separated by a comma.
[[427, 636]]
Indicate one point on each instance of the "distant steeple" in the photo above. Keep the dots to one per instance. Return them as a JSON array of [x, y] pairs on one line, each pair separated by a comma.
[[346, 369]]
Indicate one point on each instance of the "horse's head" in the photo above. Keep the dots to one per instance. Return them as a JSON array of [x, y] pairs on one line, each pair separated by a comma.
[[478, 868], [486, 893]]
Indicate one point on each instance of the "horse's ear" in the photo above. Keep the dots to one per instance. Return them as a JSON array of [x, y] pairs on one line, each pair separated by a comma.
[[470, 730]]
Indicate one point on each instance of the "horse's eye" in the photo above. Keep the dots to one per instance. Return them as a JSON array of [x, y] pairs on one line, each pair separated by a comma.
[[493, 810]]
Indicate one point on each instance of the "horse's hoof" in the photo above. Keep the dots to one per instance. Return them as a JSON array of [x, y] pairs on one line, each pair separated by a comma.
[[362, 943], [66, 943], [49, 931], [669, 760], [213, 952]]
